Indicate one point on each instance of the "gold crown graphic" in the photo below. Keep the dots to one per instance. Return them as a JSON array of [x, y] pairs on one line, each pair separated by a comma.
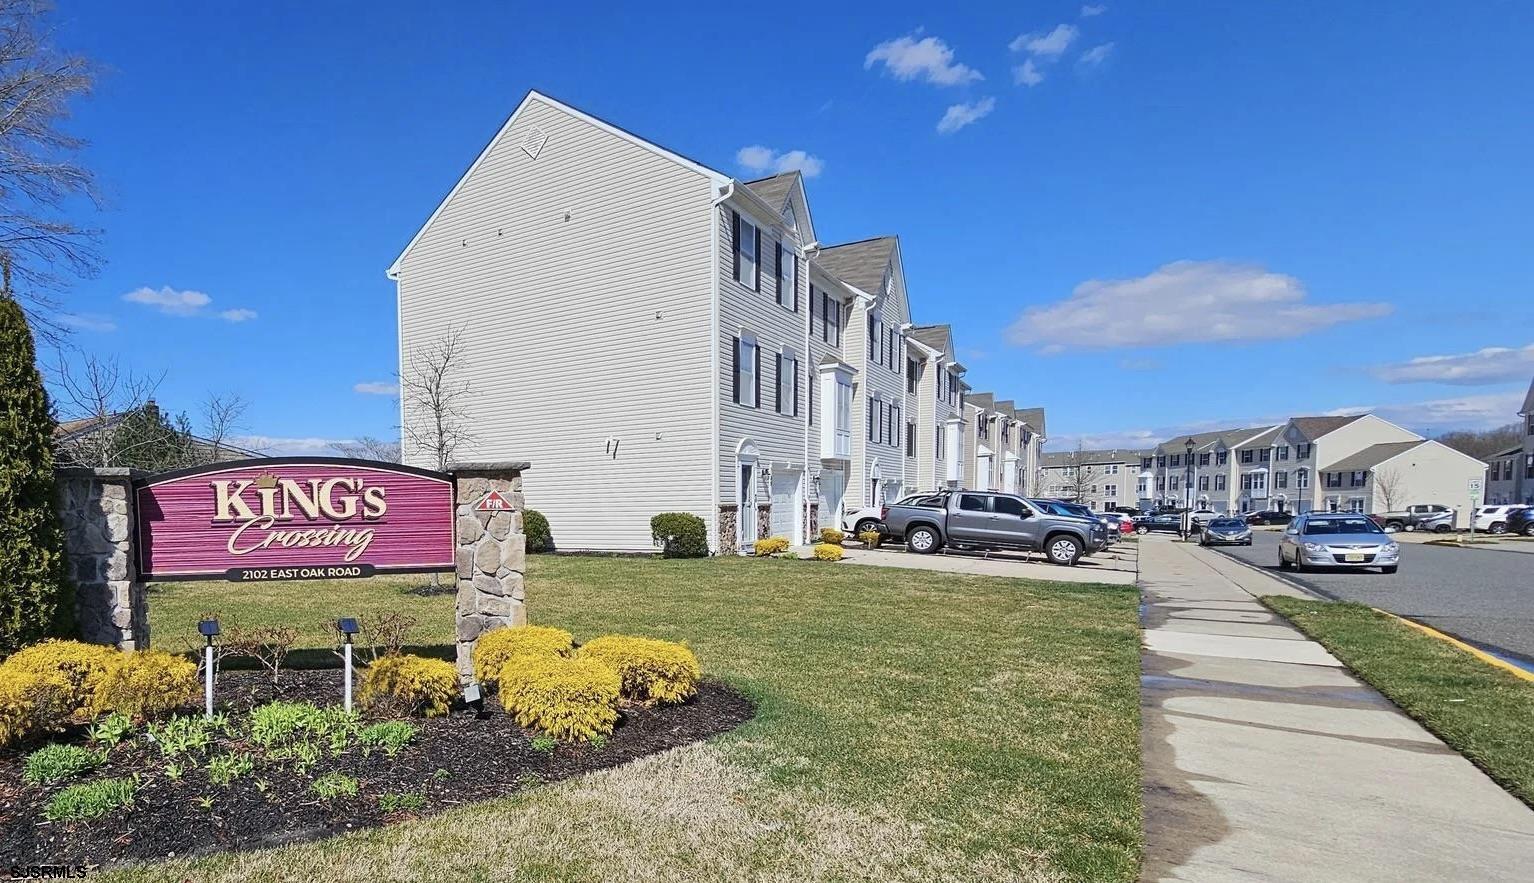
[[266, 480]]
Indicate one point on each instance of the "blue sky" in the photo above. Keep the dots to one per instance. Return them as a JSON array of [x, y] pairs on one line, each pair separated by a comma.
[[1145, 217]]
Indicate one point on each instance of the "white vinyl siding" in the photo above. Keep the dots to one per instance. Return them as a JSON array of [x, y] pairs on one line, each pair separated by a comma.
[[570, 275]]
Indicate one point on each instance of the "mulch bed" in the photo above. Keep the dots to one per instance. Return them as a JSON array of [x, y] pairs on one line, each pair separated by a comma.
[[457, 759]]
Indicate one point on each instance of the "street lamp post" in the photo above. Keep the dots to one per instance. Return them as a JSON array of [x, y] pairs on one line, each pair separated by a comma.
[[1187, 527]]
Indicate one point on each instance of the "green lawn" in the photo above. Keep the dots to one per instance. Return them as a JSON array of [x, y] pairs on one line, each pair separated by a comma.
[[911, 725], [1481, 711]]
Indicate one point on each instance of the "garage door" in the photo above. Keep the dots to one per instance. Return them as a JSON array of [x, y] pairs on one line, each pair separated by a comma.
[[785, 504]]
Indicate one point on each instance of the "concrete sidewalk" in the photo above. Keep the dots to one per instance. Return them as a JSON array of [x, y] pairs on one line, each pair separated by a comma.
[[1265, 759]]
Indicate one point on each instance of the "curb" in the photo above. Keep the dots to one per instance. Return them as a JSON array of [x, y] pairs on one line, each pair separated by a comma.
[[1316, 594], [1515, 671]]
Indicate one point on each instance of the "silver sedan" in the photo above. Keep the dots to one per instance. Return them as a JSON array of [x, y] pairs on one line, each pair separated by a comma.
[[1342, 540]]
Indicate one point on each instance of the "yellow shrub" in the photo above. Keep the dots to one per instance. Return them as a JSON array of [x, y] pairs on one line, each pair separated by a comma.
[[832, 535], [410, 683], [147, 683], [494, 649], [31, 703], [651, 671], [827, 552], [82, 665], [871, 538], [770, 546], [566, 698]]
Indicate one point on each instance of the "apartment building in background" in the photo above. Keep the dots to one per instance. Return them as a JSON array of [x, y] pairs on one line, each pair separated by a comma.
[[1510, 472], [1349, 463], [654, 335], [1101, 480]]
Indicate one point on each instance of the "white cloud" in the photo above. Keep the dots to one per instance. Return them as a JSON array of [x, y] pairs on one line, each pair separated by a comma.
[[1047, 45], [279, 446], [169, 300], [1027, 74], [1091, 11], [88, 322], [184, 302], [757, 158], [960, 115], [1493, 364], [1183, 302], [1435, 416], [1096, 55], [377, 388], [906, 58]]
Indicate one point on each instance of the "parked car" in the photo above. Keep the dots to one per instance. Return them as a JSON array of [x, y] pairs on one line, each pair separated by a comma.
[[1337, 539], [1269, 516], [1203, 516], [1421, 516], [1168, 523], [1492, 519], [1066, 507], [1225, 532], [869, 518], [987, 520], [1521, 521]]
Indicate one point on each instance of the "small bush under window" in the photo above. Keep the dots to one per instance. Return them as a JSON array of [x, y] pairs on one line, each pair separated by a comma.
[[680, 535]]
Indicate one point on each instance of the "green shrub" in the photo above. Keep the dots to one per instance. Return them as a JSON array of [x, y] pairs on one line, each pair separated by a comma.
[[495, 648], [565, 698], [651, 671], [225, 768], [333, 785], [53, 763], [82, 665], [36, 599], [148, 683], [391, 736], [680, 535], [31, 703], [409, 801], [280, 724], [109, 731], [832, 535], [90, 800], [182, 734], [827, 552], [409, 684], [536, 528]]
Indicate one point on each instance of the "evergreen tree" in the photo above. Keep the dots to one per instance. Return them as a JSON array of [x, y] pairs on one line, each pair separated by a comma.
[[35, 596]]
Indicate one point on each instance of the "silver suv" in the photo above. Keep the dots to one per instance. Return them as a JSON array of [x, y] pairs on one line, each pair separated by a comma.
[[985, 520]]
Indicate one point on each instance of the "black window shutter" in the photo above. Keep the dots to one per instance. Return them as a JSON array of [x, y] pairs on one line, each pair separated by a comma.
[[757, 285], [796, 390], [778, 269], [794, 259], [810, 382], [825, 317], [777, 382], [735, 238], [735, 367], [758, 351]]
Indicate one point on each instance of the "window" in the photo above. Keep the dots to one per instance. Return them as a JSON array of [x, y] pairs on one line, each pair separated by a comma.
[[873, 422], [1530, 427], [1110, 490], [1302, 452], [1219, 482], [1265, 455], [1203, 482], [940, 440], [1176, 460], [1259, 481], [982, 427], [1172, 483], [1222, 458], [1008, 506], [1334, 479], [1161, 485], [1006, 433], [830, 318], [911, 370], [788, 278], [894, 427], [873, 339], [1114, 469], [787, 384], [748, 372], [1203, 459], [1301, 478], [1246, 455], [1283, 452], [1528, 466], [910, 438], [1161, 461], [1280, 479], [1357, 479], [1145, 462], [843, 417], [972, 503], [748, 239], [1356, 504]]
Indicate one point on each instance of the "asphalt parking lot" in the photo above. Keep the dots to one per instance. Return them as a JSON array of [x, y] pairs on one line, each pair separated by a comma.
[[1484, 596]]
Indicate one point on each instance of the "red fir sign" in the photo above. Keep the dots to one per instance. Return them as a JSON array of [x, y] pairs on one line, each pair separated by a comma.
[[493, 502]]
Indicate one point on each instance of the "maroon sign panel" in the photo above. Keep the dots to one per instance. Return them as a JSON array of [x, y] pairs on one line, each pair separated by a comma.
[[294, 518]]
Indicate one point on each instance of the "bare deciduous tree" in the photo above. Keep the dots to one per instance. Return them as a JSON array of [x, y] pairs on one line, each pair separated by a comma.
[[1079, 476], [369, 448], [95, 392], [39, 169], [222, 414], [436, 399], [1390, 488]]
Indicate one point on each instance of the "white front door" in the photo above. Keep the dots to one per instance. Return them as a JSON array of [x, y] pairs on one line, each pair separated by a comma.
[[746, 520], [785, 505], [983, 472], [833, 487]]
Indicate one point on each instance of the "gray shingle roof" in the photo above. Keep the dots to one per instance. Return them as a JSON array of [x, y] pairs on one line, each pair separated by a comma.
[[1528, 400], [1202, 440], [859, 264], [774, 190], [1092, 458], [983, 400], [1034, 417], [1372, 456], [939, 337], [1315, 427]]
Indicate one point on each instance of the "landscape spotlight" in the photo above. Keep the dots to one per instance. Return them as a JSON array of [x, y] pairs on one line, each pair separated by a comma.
[[347, 626], [209, 630]]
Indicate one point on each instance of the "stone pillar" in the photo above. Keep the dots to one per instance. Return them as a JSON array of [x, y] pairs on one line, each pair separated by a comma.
[[729, 537], [96, 507], [491, 554], [814, 522], [763, 520]]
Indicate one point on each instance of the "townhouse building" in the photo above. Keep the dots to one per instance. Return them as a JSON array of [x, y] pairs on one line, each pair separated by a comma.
[[1510, 472], [1356, 463], [1101, 480], [657, 336]]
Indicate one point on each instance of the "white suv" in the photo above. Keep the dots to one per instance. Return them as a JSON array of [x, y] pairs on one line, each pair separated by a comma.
[[1492, 519]]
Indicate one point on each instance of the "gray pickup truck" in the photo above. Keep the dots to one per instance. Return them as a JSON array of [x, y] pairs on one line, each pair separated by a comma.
[[987, 520]]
